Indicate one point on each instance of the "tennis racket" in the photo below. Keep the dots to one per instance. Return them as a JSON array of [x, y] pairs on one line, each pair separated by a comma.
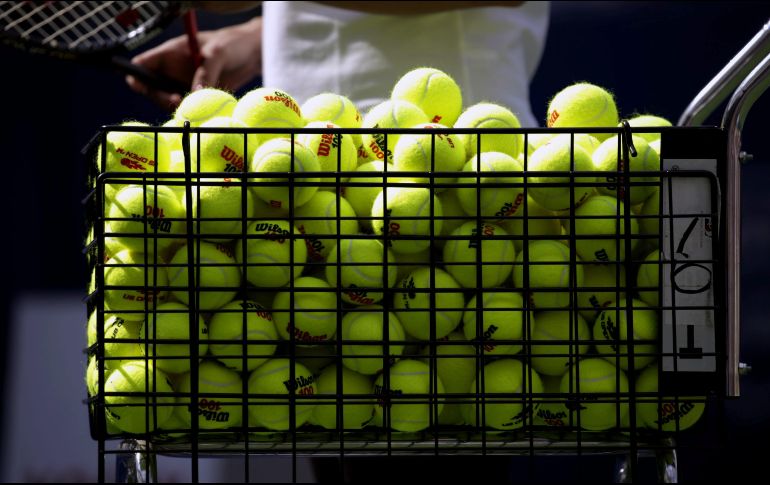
[[96, 33]]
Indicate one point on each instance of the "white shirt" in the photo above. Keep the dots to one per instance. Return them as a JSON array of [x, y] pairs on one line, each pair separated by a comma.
[[492, 52]]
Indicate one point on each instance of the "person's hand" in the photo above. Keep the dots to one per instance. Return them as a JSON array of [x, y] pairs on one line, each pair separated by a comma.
[[232, 57]]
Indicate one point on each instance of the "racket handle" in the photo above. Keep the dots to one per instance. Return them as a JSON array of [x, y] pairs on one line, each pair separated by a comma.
[[191, 28], [150, 78]]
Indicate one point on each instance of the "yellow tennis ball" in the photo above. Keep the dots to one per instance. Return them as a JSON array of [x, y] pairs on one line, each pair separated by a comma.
[[517, 382], [454, 215], [456, 367], [356, 412], [361, 269], [120, 338], [273, 160], [409, 217], [596, 387], [131, 282], [237, 322], [368, 324], [392, 113], [552, 409], [410, 380], [268, 108], [222, 152], [406, 263], [216, 277], [649, 222], [489, 115], [218, 209], [274, 253], [463, 261], [648, 121], [362, 188], [220, 397], [417, 303], [150, 218], [433, 91], [560, 155], [322, 221], [603, 216], [612, 327], [149, 404], [275, 377], [204, 104], [499, 197], [665, 413], [583, 105], [335, 152], [426, 153], [554, 359], [334, 108], [605, 158], [649, 277], [549, 268], [606, 281], [171, 321], [307, 313], [92, 376], [540, 222], [502, 318], [173, 140]]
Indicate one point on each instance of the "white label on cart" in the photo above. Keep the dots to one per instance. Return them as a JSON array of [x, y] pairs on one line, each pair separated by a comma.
[[689, 336]]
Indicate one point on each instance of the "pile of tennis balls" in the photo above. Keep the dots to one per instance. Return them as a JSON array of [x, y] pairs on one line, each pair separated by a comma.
[[332, 294]]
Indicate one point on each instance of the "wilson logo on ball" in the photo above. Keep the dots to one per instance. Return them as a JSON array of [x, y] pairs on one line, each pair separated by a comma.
[[302, 383], [211, 410], [234, 161]]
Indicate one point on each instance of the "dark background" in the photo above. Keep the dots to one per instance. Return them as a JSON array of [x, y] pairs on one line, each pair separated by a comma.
[[654, 56]]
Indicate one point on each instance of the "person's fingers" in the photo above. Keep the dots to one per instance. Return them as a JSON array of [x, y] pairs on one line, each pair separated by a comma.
[[210, 71]]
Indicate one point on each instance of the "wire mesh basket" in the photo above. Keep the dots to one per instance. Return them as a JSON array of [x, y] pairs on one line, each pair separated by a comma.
[[458, 316]]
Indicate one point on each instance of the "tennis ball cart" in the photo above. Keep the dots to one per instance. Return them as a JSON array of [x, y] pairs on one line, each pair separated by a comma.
[[302, 330]]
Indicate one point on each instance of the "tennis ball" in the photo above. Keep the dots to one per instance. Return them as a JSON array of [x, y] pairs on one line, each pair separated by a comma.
[[204, 104], [173, 140], [433, 91], [549, 266], [356, 412], [605, 158], [334, 108], [150, 218], [665, 413], [429, 152], [417, 303], [606, 281], [456, 367], [274, 253], [268, 108], [406, 263], [499, 197], [612, 327], [404, 216], [362, 268], [540, 222], [649, 276], [218, 209], [587, 142], [247, 322], [536, 140], [130, 151], [392, 113], [171, 321], [92, 377], [410, 380], [648, 121], [560, 155], [505, 376], [120, 340], [553, 359], [275, 377], [655, 145], [649, 222], [216, 277], [368, 324], [502, 318], [335, 153], [222, 152], [362, 189], [453, 215], [263, 210], [552, 409], [479, 247], [308, 311], [323, 216], [489, 115], [146, 408], [583, 105], [132, 281], [603, 216], [281, 156], [595, 386], [220, 397]]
